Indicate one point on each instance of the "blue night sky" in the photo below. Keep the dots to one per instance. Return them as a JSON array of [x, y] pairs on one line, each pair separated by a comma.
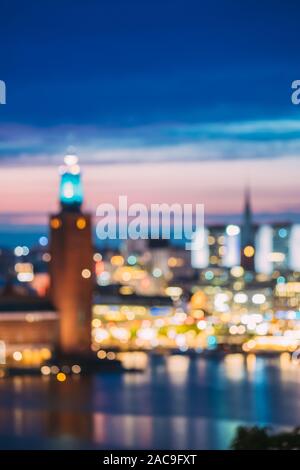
[[194, 89], [128, 63]]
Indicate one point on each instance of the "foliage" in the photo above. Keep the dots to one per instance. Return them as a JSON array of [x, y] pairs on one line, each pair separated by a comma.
[[256, 438]]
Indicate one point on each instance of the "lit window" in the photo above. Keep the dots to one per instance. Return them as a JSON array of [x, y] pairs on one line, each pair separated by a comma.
[[55, 223], [61, 377], [249, 251], [117, 260], [232, 230], [81, 223], [18, 356], [86, 273]]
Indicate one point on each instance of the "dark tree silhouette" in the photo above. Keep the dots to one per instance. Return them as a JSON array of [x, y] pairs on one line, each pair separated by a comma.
[[257, 438]]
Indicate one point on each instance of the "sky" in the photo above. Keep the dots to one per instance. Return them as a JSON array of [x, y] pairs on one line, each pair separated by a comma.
[[164, 100]]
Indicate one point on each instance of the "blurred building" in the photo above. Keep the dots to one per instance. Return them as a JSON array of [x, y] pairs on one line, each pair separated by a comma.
[[29, 328], [280, 256], [238, 286], [71, 265]]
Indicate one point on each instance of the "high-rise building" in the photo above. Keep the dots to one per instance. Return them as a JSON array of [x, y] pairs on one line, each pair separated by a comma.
[[216, 244], [71, 265], [281, 246], [247, 236], [294, 248]]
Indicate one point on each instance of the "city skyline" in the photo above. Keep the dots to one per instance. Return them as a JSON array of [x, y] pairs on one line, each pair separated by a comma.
[[107, 185], [199, 108], [149, 228]]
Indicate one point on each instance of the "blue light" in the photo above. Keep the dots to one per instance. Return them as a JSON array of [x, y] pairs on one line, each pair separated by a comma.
[[71, 194], [43, 241], [248, 277], [160, 311], [211, 341], [282, 232], [25, 250], [157, 272], [131, 260], [209, 275], [268, 316], [280, 280]]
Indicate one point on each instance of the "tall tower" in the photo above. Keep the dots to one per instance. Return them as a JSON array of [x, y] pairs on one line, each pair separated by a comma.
[[71, 263], [247, 236]]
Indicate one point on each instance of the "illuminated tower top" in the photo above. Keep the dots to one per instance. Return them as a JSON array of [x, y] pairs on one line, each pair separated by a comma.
[[70, 192]]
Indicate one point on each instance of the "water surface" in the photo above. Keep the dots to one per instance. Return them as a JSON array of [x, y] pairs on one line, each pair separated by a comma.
[[176, 403]]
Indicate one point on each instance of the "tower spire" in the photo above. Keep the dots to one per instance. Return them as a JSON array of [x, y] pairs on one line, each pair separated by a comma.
[[247, 235], [247, 216]]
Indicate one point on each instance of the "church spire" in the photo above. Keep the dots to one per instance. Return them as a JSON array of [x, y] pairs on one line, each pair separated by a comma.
[[247, 218], [247, 235]]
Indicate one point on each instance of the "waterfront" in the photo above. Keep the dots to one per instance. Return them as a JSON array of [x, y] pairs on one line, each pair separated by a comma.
[[176, 403]]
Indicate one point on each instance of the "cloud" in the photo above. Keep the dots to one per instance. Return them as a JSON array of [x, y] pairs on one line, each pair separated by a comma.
[[165, 142]]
